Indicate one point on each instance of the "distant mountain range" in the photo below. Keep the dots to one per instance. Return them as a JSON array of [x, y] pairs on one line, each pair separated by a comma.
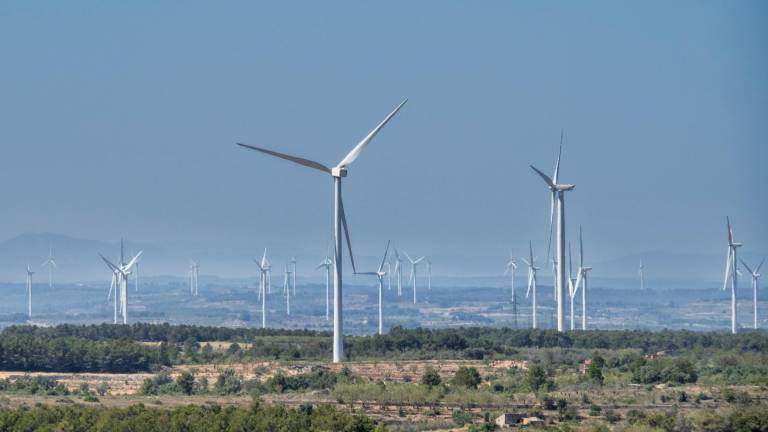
[[78, 261]]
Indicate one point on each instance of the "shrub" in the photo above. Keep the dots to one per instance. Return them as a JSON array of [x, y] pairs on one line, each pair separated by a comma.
[[431, 378], [467, 377]]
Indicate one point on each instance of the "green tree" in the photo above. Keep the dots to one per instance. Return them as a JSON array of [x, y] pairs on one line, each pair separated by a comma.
[[467, 377], [537, 377], [431, 378], [186, 383]]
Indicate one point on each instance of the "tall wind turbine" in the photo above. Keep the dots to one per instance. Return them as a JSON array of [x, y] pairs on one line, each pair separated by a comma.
[[51, 264], [412, 278], [641, 272], [380, 275], [194, 273], [531, 282], [326, 264], [755, 276], [338, 172], [558, 194], [287, 289], [732, 272], [571, 287], [264, 268], [510, 270], [582, 281], [29, 291], [122, 271], [293, 274], [399, 272]]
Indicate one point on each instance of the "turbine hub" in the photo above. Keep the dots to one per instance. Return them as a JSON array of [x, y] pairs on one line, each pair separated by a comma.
[[339, 172]]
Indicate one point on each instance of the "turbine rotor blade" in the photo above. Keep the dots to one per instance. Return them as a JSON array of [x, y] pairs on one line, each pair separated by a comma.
[[298, 160], [346, 234], [546, 178], [352, 155], [384, 259]]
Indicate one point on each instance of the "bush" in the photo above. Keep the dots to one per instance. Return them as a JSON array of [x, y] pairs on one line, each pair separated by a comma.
[[228, 382], [461, 417], [467, 377], [594, 410], [431, 378], [186, 383]]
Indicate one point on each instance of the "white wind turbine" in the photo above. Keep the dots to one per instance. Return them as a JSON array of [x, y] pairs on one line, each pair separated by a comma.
[[510, 270], [582, 281], [755, 276], [399, 272], [264, 268], [571, 287], [731, 271], [380, 275], [338, 172], [326, 264], [412, 278], [558, 194], [531, 282], [194, 273], [287, 289], [641, 272], [122, 271], [51, 264], [29, 291]]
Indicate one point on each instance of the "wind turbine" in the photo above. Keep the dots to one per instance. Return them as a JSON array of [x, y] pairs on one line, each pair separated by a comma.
[[287, 289], [122, 271], [51, 264], [571, 286], [380, 275], [293, 274], [194, 273], [326, 264], [731, 271], [531, 282], [399, 272], [510, 270], [558, 194], [641, 272], [338, 172], [264, 268], [582, 281], [29, 291], [412, 277], [755, 276]]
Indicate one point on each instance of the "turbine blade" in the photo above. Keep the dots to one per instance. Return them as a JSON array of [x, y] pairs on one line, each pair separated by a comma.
[[408, 256], [727, 268], [352, 155], [298, 160], [384, 259], [730, 231], [746, 266], [546, 178], [757, 270], [109, 263], [551, 224], [346, 234], [579, 279], [581, 250], [559, 154], [133, 261], [418, 260]]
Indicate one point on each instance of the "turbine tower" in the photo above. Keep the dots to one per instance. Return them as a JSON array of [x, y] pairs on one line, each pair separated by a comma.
[[338, 173], [399, 272], [51, 264], [558, 194], [731, 262], [582, 281], [531, 282], [287, 289], [571, 287], [326, 264], [380, 275], [510, 270], [755, 276], [429, 275], [641, 272], [29, 291], [264, 267], [122, 271], [194, 273], [412, 278]]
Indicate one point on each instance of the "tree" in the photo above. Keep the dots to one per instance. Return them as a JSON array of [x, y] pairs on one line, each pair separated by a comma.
[[467, 377], [431, 378], [537, 377], [186, 383], [595, 372]]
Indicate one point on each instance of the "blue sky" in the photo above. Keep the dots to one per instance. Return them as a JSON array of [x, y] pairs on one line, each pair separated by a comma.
[[120, 119]]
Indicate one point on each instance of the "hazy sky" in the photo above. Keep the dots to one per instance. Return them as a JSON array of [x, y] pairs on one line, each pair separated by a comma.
[[121, 119]]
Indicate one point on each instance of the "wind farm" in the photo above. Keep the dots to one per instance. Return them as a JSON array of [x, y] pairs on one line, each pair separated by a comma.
[[390, 168]]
